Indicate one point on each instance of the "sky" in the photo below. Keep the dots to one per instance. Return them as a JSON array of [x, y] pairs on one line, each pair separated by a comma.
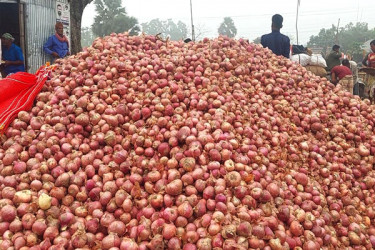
[[252, 18]]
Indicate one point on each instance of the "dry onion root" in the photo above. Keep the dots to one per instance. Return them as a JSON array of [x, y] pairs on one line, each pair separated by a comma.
[[139, 144]]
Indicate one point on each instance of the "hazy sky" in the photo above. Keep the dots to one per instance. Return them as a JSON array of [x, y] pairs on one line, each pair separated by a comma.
[[252, 18]]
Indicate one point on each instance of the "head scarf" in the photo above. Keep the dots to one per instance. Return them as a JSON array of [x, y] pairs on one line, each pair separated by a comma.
[[61, 38], [8, 36]]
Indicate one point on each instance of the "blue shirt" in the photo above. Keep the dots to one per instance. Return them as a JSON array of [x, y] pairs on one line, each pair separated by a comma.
[[277, 42], [53, 44], [14, 53]]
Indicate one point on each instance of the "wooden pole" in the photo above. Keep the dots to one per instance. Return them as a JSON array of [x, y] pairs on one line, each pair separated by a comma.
[[337, 32], [298, 3], [192, 24]]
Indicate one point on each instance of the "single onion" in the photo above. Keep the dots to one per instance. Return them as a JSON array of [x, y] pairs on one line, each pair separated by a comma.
[[44, 201]]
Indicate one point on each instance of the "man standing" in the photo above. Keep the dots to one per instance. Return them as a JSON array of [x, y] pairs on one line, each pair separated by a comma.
[[57, 45], [12, 56], [369, 59], [354, 69], [275, 41], [341, 74], [333, 58]]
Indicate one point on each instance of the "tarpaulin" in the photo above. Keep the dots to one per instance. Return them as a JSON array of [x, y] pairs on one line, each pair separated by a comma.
[[17, 93]]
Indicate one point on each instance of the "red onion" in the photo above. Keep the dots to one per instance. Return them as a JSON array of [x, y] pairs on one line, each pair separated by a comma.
[[66, 219], [15, 226], [4, 226], [174, 188], [51, 233], [8, 213], [127, 243], [111, 240], [117, 227], [39, 227], [79, 239], [296, 228]]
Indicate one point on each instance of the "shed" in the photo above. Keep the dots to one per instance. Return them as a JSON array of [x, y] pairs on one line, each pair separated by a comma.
[[31, 22]]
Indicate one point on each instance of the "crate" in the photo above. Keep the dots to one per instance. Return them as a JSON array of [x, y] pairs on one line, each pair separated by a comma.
[[368, 81], [359, 89]]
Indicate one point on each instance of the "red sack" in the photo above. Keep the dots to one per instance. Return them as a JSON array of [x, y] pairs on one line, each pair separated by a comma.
[[17, 93]]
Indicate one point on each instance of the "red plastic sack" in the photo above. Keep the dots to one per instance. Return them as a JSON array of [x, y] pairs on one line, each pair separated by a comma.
[[17, 93]]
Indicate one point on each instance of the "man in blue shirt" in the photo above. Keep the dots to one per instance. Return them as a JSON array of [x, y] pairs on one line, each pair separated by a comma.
[[275, 41], [57, 45], [13, 60]]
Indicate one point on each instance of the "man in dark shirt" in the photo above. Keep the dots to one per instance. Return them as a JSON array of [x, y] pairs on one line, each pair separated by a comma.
[[333, 58], [275, 41]]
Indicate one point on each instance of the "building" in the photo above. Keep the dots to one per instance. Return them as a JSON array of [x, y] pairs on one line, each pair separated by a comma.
[[31, 22]]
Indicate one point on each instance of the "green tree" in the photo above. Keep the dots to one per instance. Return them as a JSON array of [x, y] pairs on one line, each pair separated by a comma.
[[167, 28], [350, 38], [180, 32], [87, 36], [153, 27], [354, 36], [227, 27], [112, 17], [325, 39], [76, 11]]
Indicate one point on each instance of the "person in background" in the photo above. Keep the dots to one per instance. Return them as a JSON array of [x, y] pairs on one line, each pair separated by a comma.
[[275, 41], [57, 45], [309, 51], [333, 58], [369, 59], [12, 56], [0, 61], [341, 74], [354, 69]]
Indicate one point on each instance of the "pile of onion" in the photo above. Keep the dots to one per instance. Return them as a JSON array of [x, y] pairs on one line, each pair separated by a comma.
[[138, 143]]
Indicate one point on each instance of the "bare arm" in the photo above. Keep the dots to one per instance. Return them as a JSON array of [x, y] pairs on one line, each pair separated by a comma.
[[286, 49], [19, 62], [337, 55], [333, 77]]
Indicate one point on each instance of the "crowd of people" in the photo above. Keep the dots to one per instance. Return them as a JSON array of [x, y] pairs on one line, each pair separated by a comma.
[[343, 72], [12, 59], [340, 70]]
